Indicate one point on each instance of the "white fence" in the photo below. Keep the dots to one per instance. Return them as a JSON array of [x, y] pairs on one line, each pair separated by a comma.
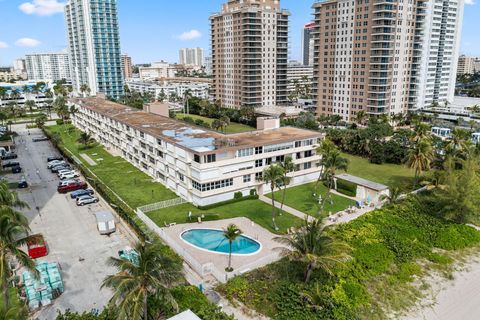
[[161, 205]]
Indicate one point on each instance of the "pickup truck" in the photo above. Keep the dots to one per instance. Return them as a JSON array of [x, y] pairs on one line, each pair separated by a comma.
[[9, 156], [10, 164]]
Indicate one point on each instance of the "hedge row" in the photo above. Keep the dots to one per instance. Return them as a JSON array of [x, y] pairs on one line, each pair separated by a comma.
[[234, 200], [347, 188]]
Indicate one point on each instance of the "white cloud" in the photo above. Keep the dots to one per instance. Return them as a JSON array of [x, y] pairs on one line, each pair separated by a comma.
[[470, 2], [3, 45], [189, 35], [27, 42], [42, 7]]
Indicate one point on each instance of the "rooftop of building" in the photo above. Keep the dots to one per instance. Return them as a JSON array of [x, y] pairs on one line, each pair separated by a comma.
[[191, 137]]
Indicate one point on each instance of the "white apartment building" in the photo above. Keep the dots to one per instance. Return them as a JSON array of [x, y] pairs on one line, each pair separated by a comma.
[[466, 65], [48, 66], [197, 89], [39, 98], [157, 70], [19, 66], [300, 73], [191, 56], [199, 165], [439, 52]]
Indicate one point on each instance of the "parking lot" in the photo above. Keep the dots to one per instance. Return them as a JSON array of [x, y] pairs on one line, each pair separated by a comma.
[[70, 231]]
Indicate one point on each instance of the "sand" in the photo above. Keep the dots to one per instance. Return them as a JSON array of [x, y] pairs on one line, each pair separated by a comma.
[[457, 299]]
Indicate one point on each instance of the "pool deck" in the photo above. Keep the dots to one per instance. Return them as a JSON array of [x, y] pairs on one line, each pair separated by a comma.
[[217, 262]]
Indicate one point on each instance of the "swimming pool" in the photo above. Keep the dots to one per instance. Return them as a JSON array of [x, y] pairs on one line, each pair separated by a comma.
[[213, 240]]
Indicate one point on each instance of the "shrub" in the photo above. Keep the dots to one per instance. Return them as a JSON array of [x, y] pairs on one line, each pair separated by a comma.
[[377, 153], [200, 122], [346, 188], [59, 122], [189, 120], [189, 297], [253, 192], [237, 195]]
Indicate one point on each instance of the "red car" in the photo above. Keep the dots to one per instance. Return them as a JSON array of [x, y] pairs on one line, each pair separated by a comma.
[[72, 186]]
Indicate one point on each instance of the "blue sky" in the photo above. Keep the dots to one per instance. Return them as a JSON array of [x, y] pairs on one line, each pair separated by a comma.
[[151, 30]]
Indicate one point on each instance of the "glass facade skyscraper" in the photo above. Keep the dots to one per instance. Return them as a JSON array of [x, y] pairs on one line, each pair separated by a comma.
[[94, 46]]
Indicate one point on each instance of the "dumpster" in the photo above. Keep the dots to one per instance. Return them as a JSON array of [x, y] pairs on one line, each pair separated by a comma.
[[37, 246], [105, 222]]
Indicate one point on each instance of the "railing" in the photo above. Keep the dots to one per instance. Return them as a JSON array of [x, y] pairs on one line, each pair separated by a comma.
[[161, 205]]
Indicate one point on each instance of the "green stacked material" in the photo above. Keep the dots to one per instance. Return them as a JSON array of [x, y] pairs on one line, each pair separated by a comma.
[[130, 255], [42, 290]]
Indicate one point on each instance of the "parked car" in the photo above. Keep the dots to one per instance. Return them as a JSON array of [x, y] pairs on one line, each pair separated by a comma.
[[56, 169], [72, 186], [62, 171], [83, 200], [69, 175], [9, 155], [40, 138], [65, 182], [81, 192], [10, 164], [22, 183], [53, 158], [55, 163], [16, 169]]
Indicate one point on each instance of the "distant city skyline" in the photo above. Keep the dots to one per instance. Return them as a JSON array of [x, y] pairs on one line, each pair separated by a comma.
[[154, 30]]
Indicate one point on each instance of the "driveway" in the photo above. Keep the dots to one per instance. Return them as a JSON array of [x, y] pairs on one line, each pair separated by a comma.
[[69, 231]]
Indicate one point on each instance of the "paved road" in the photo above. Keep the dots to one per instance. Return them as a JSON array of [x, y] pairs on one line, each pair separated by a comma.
[[70, 231]]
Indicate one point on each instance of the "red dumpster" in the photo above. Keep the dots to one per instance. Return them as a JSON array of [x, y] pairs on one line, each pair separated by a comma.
[[36, 246]]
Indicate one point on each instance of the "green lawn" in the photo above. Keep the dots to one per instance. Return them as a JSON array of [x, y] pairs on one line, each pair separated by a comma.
[[232, 128], [302, 199], [392, 175], [132, 185], [255, 210]]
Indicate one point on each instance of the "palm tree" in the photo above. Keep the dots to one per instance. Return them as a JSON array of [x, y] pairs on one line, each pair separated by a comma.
[[13, 228], [273, 175], [187, 95], [40, 120], [420, 157], [84, 88], [134, 284], [225, 123], [311, 245], [60, 105], [85, 138], [231, 233], [422, 132], [332, 163], [360, 117], [459, 142], [287, 166], [393, 197], [30, 104], [472, 123], [324, 150], [217, 124]]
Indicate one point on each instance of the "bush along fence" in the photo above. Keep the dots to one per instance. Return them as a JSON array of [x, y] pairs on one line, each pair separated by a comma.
[[121, 207]]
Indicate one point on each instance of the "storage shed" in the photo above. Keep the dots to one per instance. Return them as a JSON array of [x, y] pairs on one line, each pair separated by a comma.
[[105, 222]]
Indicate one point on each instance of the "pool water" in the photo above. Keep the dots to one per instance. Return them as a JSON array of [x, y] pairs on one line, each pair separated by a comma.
[[213, 240]]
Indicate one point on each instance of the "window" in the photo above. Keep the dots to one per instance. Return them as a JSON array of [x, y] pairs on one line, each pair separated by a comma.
[[245, 152], [307, 165], [196, 158], [258, 150], [247, 178], [210, 158], [258, 176], [159, 142], [181, 177], [298, 144], [142, 135], [143, 145], [212, 185], [258, 163], [277, 147], [160, 153]]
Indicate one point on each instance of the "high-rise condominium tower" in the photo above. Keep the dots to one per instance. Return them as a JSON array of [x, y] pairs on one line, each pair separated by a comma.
[[94, 46], [250, 53], [48, 66], [191, 56], [375, 55], [127, 68], [308, 44]]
